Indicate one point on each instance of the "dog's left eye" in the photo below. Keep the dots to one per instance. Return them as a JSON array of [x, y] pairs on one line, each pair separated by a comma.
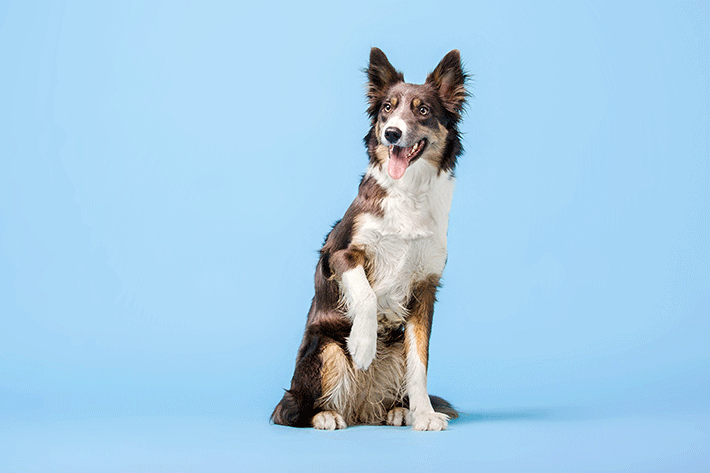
[[423, 110]]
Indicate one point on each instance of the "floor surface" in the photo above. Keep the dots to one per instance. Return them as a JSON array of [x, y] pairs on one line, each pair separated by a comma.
[[564, 440]]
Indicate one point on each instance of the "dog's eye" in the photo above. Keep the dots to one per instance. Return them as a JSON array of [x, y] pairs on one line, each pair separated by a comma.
[[424, 111], [387, 107]]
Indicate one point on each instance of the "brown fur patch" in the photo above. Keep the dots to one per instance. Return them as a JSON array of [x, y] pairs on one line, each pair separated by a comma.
[[421, 312], [371, 195], [381, 153], [343, 260], [335, 365], [435, 149]]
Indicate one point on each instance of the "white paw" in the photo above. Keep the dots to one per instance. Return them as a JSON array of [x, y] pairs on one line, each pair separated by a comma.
[[428, 421], [397, 416], [362, 343], [328, 420]]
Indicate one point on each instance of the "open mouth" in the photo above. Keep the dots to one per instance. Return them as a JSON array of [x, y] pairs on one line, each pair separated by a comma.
[[401, 158]]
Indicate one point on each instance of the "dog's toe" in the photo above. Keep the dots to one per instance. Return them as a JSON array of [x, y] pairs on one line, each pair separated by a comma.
[[397, 416], [328, 420], [428, 421]]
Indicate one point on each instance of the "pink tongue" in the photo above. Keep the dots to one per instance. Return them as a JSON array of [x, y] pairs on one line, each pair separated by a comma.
[[398, 162]]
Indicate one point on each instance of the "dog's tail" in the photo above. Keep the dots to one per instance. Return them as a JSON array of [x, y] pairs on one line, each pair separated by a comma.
[[443, 406], [293, 410], [440, 405]]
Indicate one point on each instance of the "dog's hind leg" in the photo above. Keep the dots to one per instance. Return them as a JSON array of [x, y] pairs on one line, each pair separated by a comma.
[[338, 385], [297, 407], [321, 381]]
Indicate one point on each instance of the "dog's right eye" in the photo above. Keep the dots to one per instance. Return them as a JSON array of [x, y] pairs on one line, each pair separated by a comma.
[[387, 107]]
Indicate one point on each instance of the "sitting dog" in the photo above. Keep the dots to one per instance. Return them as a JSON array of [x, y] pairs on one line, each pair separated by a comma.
[[364, 354]]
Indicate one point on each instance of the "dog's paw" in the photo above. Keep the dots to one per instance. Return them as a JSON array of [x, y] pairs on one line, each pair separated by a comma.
[[328, 420], [427, 421], [397, 416], [363, 351], [362, 344]]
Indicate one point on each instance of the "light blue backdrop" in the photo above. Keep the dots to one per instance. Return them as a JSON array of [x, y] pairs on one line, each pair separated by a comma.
[[169, 170]]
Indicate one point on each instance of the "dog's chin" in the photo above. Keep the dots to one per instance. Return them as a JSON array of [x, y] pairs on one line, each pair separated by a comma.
[[401, 157]]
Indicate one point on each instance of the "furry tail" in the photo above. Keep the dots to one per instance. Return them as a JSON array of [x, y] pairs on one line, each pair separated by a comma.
[[440, 405], [293, 411], [443, 406]]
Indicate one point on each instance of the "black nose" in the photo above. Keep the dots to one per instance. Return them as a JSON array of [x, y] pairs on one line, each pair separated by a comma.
[[393, 134]]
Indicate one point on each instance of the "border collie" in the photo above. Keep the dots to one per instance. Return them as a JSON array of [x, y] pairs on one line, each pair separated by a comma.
[[364, 354]]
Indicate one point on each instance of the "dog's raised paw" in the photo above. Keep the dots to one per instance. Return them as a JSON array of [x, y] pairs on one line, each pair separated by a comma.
[[363, 351], [328, 420], [362, 344], [428, 421], [397, 416]]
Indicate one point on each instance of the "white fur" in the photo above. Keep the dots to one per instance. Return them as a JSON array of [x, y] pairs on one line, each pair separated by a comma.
[[361, 304], [433, 421], [409, 243], [421, 415]]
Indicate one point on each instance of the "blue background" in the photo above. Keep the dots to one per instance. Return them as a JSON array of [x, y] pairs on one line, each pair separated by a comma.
[[168, 172]]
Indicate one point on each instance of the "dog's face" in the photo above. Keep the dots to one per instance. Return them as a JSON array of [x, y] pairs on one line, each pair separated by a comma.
[[410, 121]]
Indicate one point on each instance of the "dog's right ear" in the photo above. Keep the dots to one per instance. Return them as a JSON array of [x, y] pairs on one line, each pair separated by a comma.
[[380, 75], [450, 79]]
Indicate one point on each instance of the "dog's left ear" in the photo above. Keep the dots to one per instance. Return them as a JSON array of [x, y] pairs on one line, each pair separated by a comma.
[[380, 76], [449, 79]]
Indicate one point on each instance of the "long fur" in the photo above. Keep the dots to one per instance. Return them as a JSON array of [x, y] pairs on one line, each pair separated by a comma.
[[365, 350]]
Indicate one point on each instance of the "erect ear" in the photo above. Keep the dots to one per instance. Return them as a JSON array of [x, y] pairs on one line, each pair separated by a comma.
[[449, 79], [380, 75]]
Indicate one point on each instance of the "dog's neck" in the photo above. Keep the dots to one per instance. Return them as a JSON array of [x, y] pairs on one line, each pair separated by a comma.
[[417, 182], [417, 204]]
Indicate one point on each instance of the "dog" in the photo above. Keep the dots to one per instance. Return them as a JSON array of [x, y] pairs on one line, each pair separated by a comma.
[[365, 350]]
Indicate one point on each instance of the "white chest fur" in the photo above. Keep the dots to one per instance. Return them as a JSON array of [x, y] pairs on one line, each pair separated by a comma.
[[408, 243]]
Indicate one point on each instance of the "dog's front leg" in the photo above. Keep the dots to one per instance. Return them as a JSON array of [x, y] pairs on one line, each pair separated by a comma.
[[361, 304], [421, 415]]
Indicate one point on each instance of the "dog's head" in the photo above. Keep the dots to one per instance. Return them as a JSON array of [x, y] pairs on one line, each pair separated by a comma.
[[415, 121]]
